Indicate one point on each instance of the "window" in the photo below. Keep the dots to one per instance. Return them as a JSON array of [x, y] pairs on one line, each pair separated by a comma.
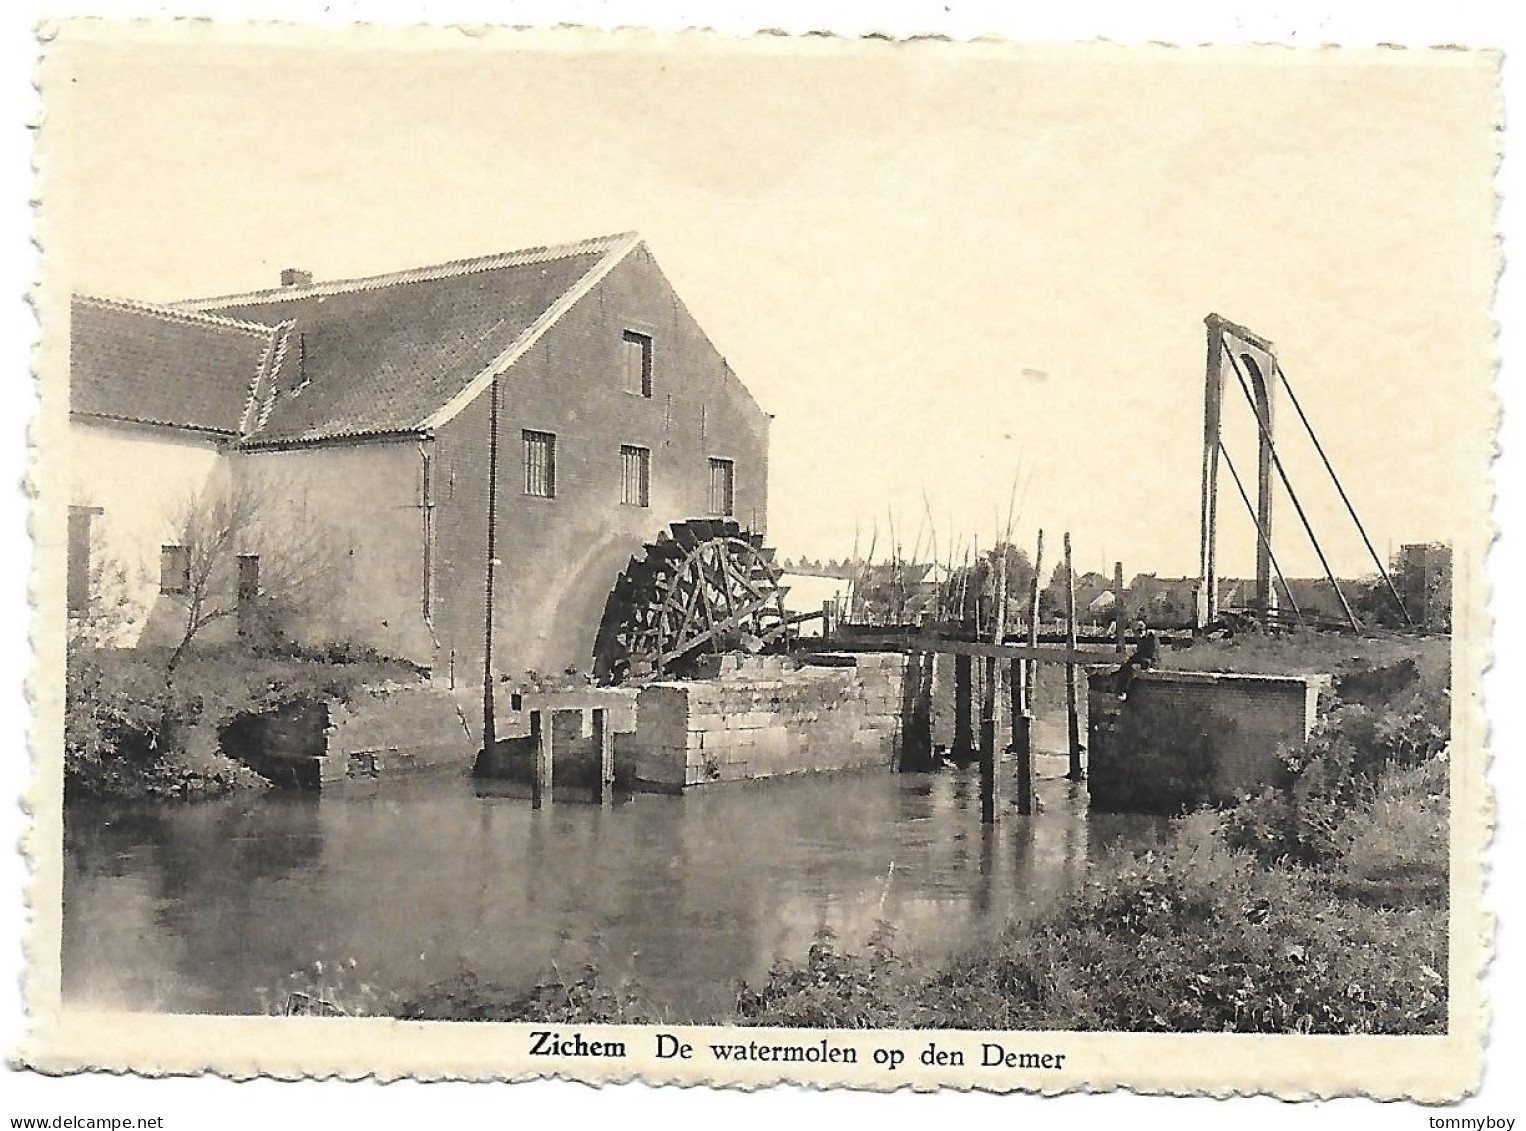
[[637, 361], [540, 464], [722, 487], [248, 590], [78, 581], [248, 578], [635, 476], [174, 570]]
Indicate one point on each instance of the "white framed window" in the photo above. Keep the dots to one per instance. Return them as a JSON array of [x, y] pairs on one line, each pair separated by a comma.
[[635, 476], [174, 570], [636, 362], [540, 464], [722, 487]]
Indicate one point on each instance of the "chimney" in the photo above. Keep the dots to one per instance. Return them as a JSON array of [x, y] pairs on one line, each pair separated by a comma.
[[296, 277]]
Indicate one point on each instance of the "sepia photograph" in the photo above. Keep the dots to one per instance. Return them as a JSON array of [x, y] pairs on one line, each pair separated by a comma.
[[737, 560]]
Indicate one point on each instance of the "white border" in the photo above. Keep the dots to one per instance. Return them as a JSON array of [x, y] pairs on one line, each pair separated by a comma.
[[212, 1102]]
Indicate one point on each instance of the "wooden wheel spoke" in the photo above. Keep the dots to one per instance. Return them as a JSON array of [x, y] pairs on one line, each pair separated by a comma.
[[694, 587]]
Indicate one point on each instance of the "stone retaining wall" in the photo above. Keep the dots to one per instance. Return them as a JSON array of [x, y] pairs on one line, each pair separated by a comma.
[[395, 730], [381, 731], [764, 716]]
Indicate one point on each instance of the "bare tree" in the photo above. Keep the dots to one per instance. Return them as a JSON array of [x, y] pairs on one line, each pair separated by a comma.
[[247, 549]]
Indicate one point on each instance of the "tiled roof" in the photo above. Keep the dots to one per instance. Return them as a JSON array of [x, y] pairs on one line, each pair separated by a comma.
[[385, 355], [150, 364]]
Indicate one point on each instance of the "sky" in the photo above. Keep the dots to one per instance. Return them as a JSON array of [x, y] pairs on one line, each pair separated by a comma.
[[953, 273]]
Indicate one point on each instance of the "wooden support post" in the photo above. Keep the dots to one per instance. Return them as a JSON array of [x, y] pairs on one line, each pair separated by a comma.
[[605, 738], [917, 738], [988, 683], [542, 729], [964, 738], [537, 741], [1120, 611], [1072, 714], [1031, 669], [1015, 694], [988, 742], [1022, 729], [1207, 605]]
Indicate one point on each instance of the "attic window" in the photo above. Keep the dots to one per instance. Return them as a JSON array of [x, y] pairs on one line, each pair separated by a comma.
[[636, 359]]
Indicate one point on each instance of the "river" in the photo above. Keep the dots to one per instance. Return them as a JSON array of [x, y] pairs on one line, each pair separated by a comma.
[[191, 908]]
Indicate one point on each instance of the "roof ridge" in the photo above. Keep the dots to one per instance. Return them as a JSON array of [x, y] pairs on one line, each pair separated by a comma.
[[174, 313], [450, 269]]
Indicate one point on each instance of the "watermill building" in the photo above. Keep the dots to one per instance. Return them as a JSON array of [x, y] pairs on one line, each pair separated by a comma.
[[575, 373]]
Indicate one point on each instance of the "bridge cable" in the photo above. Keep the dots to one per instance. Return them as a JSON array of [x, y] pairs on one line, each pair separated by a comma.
[[1261, 534], [1266, 436], [1318, 447]]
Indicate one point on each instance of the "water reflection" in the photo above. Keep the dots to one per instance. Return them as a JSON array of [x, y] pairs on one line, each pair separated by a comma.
[[189, 909]]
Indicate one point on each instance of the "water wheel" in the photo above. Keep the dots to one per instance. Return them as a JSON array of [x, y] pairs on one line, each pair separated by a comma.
[[706, 585]]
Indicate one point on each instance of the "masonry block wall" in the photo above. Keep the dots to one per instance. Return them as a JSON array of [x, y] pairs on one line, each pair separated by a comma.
[[560, 556], [395, 730], [380, 732], [764, 717], [1262, 716]]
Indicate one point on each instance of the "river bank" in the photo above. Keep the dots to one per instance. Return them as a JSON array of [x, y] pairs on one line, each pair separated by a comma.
[[134, 729]]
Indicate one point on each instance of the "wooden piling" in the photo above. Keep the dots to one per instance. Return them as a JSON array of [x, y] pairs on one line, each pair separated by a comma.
[[1072, 713], [1031, 669], [964, 739], [1022, 730], [917, 738], [988, 742], [1015, 707], [605, 738], [988, 683], [1120, 612], [542, 730]]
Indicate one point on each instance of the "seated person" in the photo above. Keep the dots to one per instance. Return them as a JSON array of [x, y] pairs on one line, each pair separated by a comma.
[[1146, 656]]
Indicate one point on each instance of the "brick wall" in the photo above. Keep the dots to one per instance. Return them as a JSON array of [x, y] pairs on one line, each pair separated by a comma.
[[764, 717], [1261, 715], [560, 556]]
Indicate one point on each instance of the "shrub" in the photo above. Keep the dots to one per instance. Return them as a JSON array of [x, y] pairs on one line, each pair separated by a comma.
[[327, 989], [584, 998], [831, 989], [1161, 758]]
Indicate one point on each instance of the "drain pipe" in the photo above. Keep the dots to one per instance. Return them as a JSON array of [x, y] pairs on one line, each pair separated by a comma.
[[489, 730]]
